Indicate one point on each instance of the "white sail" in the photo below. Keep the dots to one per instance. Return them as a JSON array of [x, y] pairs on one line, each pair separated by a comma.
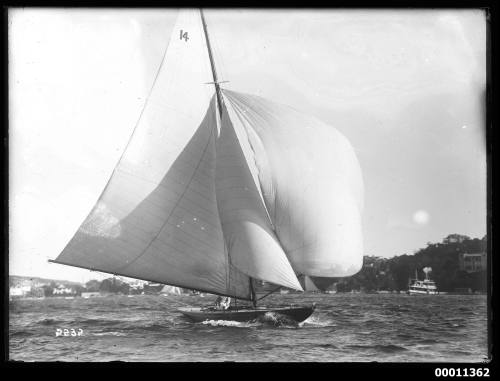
[[206, 204], [252, 245], [157, 218], [311, 183], [309, 284]]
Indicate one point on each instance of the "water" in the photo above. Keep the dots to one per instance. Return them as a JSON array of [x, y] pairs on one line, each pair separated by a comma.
[[344, 328]]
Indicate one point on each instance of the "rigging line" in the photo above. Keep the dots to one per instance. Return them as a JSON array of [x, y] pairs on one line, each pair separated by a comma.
[[269, 293], [244, 118], [252, 292], [142, 112], [226, 115], [227, 260], [174, 207], [133, 131], [259, 185]]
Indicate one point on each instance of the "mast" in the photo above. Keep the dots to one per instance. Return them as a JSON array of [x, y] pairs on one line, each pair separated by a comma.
[[252, 292], [212, 64], [219, 102]]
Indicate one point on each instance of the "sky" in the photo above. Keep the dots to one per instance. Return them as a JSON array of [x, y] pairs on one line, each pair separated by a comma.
[[406, 87]]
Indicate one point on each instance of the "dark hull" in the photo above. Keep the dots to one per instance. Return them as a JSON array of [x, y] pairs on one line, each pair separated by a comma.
[[297, 314]]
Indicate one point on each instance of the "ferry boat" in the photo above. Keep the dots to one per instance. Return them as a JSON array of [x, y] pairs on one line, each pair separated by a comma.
[[422, 287]]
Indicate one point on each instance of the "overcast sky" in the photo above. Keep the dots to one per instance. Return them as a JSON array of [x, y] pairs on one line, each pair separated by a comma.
[[405, 87]]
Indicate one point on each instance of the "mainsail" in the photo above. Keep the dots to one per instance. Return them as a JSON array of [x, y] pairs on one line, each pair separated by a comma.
[[214, 190]]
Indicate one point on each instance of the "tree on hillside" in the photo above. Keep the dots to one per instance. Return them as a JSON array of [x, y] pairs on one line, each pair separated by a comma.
[[402, 269], [92, 285], [114, 285], [394, 273]]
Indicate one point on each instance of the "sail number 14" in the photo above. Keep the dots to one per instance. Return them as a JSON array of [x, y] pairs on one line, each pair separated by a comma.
[[184, 35]]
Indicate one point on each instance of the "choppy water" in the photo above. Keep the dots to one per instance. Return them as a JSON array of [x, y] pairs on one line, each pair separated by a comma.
[[344, 327]]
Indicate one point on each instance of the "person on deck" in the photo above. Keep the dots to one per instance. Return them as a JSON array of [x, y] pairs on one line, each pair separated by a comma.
[[226, 302], [218, 302], [222, 303]]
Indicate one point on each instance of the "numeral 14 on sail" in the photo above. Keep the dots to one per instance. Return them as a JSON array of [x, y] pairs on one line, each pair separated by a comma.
[[184, 35]]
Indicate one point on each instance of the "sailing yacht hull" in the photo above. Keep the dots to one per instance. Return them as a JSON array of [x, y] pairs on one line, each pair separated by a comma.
[[297, 314]]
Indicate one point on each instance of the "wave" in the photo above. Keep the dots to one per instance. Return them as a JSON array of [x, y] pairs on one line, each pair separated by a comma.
[[390, 348], [406, 336], [327, 345], [154, 327], [20, 334], [428, 341], [98, 322], [277, 320], [112, 333], [384, 348], [268, 319], [230, 323], [372, 322], [49, 321], [317, 321]]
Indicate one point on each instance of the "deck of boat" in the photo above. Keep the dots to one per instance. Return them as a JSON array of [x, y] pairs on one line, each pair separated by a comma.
[[242, 314]]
